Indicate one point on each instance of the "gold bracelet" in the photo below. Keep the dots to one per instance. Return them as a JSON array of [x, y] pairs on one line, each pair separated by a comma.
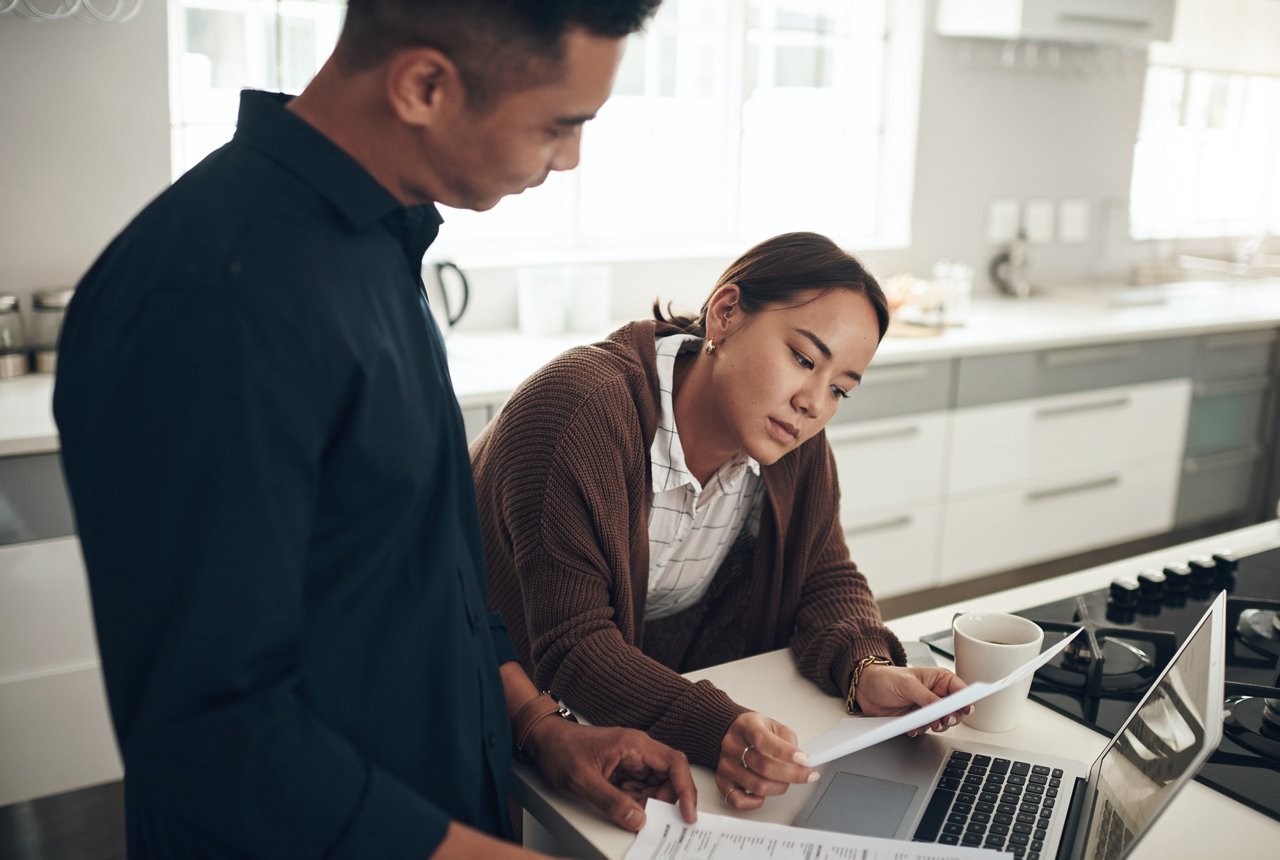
[[850, 704]]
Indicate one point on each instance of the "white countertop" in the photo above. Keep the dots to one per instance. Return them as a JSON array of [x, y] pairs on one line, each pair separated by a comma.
[[1200, 822], [487, 366]]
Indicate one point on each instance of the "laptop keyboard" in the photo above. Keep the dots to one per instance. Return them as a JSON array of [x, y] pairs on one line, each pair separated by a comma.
[[989, 802]]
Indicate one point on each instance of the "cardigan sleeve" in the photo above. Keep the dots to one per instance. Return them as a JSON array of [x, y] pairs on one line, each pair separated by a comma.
[[837, 620], [572, 501]]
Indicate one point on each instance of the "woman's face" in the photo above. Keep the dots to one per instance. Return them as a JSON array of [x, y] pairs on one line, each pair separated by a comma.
[[779, 374]]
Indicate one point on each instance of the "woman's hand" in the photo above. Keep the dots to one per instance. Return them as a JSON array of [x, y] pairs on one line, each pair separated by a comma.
[[889, 691], [758, 759]]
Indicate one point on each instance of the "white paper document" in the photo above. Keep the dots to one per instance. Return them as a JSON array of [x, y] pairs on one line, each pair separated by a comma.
[[857, 733], [665, 836]]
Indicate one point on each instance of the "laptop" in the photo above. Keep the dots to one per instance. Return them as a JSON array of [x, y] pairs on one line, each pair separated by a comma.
[[957, 792]]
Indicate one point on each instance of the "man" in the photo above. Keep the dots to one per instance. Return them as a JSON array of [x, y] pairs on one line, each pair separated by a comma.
[[269, 472]]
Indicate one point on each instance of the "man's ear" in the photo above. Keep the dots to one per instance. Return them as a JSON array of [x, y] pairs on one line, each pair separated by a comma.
[[423, 86]]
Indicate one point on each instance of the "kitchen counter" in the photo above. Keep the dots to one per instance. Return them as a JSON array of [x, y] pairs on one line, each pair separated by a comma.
[[1200, 822], [487, 366]]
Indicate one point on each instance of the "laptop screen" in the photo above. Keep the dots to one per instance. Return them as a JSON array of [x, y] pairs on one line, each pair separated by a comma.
[[1169, 735]]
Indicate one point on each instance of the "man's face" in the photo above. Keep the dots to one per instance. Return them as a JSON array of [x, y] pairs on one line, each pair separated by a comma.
[[516, 141]]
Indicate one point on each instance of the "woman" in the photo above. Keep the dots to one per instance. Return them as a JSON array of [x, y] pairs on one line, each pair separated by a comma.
[[666, 500]]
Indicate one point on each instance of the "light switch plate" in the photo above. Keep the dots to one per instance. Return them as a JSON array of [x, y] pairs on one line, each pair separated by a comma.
[[1073, 221], [1003, 216], [1040, 221]]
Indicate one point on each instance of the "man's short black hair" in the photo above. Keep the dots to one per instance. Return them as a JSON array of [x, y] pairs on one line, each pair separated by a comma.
[[498, 45]]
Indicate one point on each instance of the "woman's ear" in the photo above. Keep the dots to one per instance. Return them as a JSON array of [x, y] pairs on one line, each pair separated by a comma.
[[723, 314], [423, 86]]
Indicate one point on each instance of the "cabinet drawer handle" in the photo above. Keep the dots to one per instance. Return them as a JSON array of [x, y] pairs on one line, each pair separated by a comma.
[[1224, 460], [1085, 486], [1237, 341], [851, 434], [1097, 355], [881, 526], [1055, 411], [1235, 386], [1105, 20], [895, 374]]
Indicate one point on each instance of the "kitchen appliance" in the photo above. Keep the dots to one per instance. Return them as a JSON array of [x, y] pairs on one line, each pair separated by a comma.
[[13, 345], [1008, 269], [1133, 627], [448, 294], [48, 309]]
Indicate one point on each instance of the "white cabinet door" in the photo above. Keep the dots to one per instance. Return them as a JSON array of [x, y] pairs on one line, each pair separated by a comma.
[[55, 731], [896, 549], [1010, 444], [887, 463], [995, 531]]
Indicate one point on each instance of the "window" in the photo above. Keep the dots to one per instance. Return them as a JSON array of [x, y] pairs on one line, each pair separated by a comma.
[[1207, 160], [729, 121], [219, 47]]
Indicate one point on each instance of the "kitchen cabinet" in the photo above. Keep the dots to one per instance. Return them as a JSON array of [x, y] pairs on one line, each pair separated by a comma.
[[1229, 430], [1126, 22], [889, 443], [51, 692], [1035, 479]]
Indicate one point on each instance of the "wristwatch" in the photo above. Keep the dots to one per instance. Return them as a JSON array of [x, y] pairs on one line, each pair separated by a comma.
[[850, 703]]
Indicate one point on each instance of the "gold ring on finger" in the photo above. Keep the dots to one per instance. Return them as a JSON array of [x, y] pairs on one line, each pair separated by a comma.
[[748, 748], [731, 790]]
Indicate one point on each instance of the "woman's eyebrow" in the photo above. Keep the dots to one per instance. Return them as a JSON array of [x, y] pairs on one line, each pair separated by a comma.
[[826, 350]]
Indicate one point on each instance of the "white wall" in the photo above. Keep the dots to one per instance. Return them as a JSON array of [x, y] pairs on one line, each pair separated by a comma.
[[84, 110]]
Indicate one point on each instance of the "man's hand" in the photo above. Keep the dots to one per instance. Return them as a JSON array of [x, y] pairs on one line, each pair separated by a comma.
[[889, 691], [615, 770], [758, 759]]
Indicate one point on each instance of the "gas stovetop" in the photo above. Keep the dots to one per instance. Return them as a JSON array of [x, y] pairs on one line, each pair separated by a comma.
[[1136, 625]]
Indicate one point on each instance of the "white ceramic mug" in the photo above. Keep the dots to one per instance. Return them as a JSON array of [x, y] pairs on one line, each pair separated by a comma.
[[988, 646]]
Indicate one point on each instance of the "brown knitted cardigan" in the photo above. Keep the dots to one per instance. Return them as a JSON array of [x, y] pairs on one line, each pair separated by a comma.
[[562, 479]]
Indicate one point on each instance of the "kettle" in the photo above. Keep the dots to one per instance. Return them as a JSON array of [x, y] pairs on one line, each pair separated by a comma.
[[447, 294], [1008, 269]]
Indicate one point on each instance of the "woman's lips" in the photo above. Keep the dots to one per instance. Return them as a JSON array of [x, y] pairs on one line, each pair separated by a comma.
[[783, 432]]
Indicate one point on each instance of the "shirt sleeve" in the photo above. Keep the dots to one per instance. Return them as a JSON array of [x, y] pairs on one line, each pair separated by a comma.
[[837, 619], [194, 426]]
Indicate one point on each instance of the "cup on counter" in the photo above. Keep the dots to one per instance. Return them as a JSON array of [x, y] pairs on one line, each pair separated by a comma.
[[554, 299], [543, 294], [988, 646]]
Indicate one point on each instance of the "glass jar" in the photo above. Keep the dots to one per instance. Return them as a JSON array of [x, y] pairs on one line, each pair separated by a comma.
[[13, 346], [48, 307]]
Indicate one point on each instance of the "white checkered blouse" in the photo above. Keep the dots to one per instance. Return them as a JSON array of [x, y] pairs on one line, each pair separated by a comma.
[[691, 527]]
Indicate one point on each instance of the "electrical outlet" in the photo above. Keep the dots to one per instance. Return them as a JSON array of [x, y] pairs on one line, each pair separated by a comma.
[[1040, 221], [1073, 221], [1003, 217]]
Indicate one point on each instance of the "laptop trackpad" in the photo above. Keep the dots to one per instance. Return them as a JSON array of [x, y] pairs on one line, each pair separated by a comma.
[[863, 805]]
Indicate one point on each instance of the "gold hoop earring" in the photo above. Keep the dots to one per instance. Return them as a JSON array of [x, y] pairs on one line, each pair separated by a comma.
[[710, 348]]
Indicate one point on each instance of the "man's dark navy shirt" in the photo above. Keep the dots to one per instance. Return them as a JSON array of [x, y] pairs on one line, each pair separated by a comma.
[[271, 485]]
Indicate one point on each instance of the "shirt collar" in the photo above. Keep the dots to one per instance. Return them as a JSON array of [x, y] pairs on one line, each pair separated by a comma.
[[286, 138], [668, 470]]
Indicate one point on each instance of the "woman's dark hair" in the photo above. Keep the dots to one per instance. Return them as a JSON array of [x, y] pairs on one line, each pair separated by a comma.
[[498, 45], [779, 270]]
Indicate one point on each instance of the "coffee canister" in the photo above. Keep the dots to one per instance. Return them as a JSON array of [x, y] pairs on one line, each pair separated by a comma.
[[13, 345], [48, 308]]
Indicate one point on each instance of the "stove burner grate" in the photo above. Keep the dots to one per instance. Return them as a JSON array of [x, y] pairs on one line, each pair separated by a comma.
[[1248, 725], [1260, 630]]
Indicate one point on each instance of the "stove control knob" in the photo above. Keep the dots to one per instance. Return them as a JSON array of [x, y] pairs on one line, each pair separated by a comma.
[[1124, 592], [1151, 585], [1177, 578], [1224, 571], [1201, 571]]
